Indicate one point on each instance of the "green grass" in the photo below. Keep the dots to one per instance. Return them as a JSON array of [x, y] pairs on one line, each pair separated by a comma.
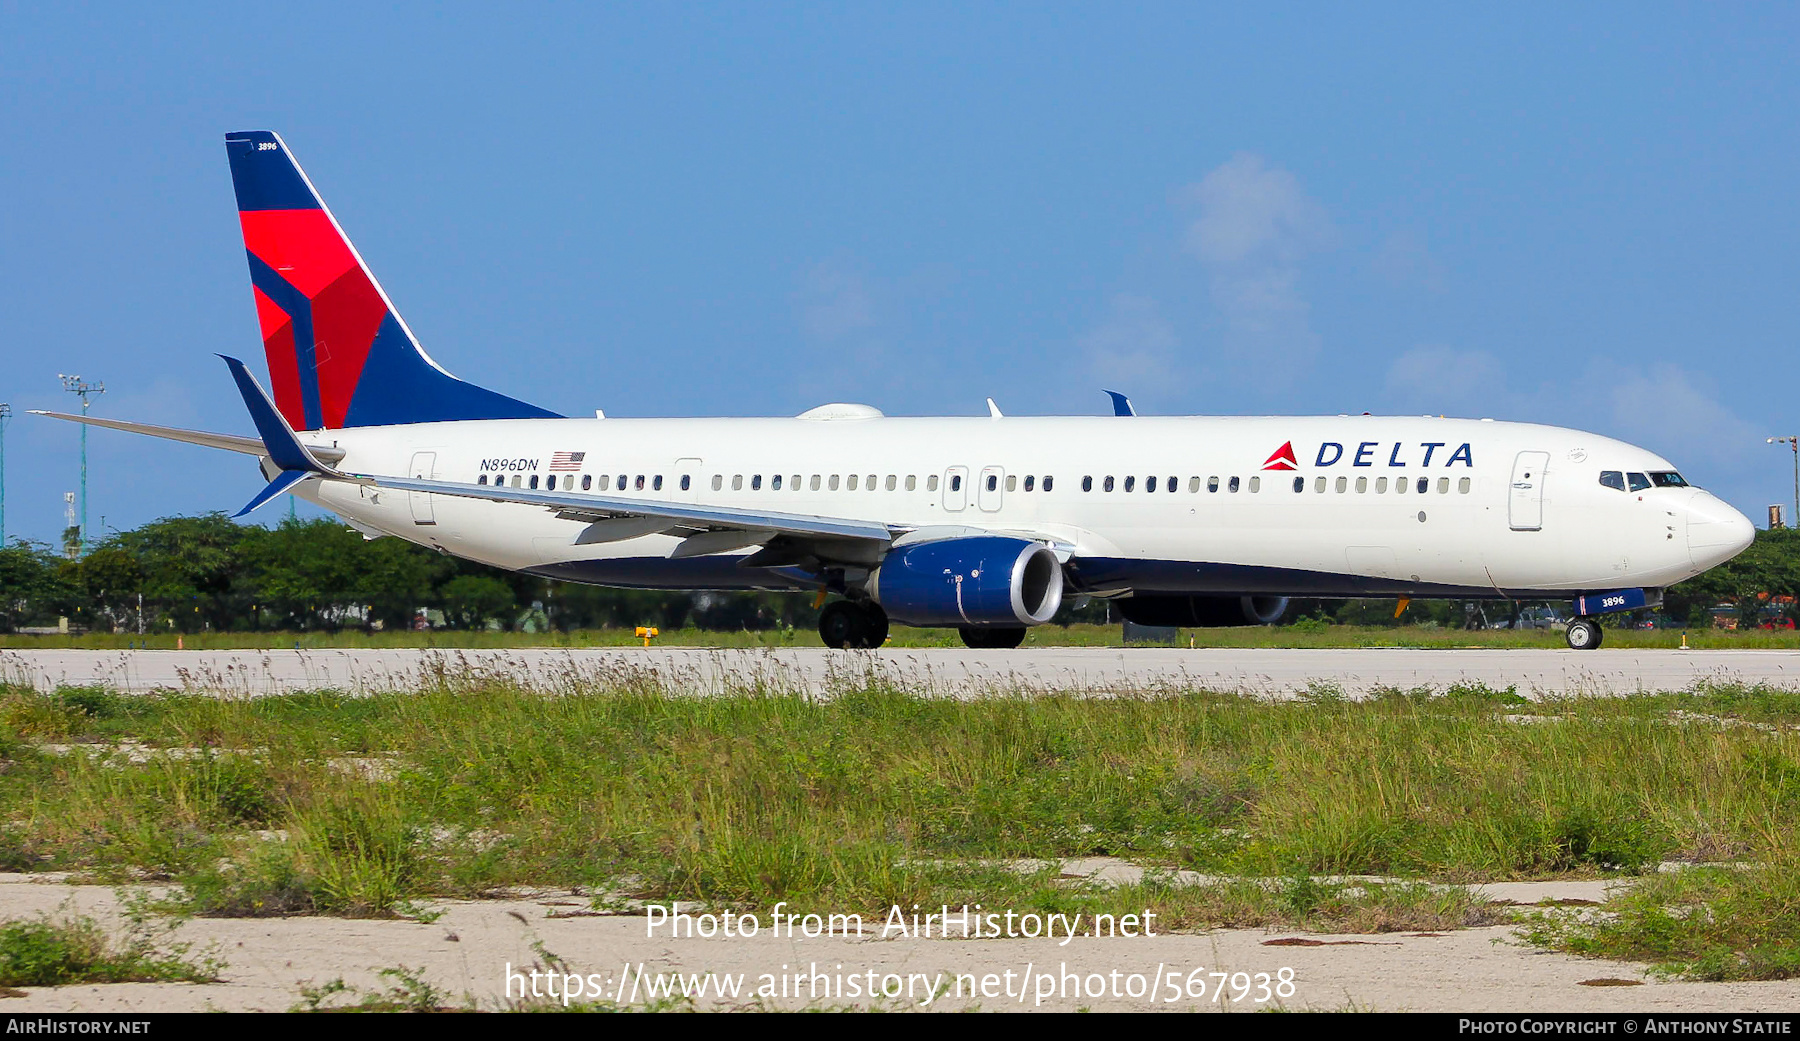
[[54, 951], [1710, 923], [1298, 635], [871, 796]]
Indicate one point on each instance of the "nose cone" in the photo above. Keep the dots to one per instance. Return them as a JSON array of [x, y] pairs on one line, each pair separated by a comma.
[[1716, 532]]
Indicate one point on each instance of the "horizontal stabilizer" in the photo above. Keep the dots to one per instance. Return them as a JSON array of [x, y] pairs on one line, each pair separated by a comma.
[[282, 482], [229, 442]]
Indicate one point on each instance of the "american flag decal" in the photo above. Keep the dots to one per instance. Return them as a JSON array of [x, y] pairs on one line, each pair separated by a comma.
[[567, 460]]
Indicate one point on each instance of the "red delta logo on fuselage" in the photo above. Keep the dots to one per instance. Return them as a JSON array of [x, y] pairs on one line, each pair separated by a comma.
[[1370, 453]]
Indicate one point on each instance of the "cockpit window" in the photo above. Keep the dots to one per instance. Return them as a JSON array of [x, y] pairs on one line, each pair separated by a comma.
[[1638, 481], [1667, 479], [1614, 479]]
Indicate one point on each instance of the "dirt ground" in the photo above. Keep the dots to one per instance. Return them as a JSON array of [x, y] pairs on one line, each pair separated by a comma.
[[466, 954]]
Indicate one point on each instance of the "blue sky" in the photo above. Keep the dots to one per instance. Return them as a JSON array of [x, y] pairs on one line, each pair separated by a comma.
[[1576, 214]]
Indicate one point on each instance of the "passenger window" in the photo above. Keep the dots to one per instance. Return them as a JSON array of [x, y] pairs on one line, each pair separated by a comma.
[[1462, 486], [718, 481], [1638, 481], [993, 482], [657, 484], [687, 481], [1614, 479], [568, 482], [482, 479], [775, 483], [1400, 485], [1299, 484], [870, 484], [1029, 480], [1193, 485], [1424, 485], [1343, 485], [1087, 484], [534, 481], [1256, 484], [1171, 486], [737, 482], [1106, 485], [833, 483], [1012, 482], [956, 483], [515, 481], [1149, 484], [853, 485], [795, 482], [621, 482], [912, 482], [894, 482], [1362, 485], [1212, 484], [1049, 482], [1318, 484], [587, 482], [1443, 486], [1234, 484], [931, 483], [756, 482], [814, 484], [1380, 485], [639, 483], [1130, 482]]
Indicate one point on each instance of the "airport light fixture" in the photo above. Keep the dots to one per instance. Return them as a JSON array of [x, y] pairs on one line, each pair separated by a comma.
[[5, 414], [1793, 443], [82, 389]]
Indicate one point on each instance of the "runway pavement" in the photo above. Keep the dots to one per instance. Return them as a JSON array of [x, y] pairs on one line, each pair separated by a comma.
[[943, 671]]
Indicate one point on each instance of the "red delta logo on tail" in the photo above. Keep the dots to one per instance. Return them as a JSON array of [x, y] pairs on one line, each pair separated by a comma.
[[1282, 459], [339, 354]]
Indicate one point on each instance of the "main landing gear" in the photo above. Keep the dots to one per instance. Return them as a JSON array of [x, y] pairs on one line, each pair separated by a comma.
[[1584, 634], [846, 623]]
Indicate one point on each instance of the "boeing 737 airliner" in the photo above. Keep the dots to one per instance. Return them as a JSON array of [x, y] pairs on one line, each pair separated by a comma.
[[985, 525]]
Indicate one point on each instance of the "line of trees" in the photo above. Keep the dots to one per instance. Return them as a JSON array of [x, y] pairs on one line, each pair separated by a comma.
[[188, 574]]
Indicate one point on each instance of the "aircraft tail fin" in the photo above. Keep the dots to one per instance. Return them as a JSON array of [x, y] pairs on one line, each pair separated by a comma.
[[339, 354]]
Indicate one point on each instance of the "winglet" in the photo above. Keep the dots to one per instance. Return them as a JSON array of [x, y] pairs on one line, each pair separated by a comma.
[[1121, 404], [285, 450]]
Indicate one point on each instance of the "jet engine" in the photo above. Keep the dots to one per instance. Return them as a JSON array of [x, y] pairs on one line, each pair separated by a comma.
[[1203, 611], [986, 580]]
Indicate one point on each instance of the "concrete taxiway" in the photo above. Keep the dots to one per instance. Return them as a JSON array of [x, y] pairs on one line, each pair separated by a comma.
[[942, 671]]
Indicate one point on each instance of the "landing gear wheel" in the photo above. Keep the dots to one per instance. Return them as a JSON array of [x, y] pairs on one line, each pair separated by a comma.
[[874, 626], [840, 625], [845, 623], [1584, 634], [989, 638]]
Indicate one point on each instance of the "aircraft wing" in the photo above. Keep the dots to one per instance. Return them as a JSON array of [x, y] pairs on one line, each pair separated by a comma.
[[583, 506], [229, 442]]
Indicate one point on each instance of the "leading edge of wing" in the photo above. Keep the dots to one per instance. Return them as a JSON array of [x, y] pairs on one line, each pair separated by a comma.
[[722, 516]]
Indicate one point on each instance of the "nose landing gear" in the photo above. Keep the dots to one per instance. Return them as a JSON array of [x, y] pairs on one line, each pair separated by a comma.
[[1584, 634]]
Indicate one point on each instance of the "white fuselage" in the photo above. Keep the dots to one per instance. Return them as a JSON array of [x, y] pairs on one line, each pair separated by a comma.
[[1493, 517]]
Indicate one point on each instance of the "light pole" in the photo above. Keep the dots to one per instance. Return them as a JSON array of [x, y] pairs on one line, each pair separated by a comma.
[[75, 385], [5, 414], [1793, 443]]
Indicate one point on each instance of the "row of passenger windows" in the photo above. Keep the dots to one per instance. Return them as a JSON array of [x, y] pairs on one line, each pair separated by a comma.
[[588, 482], [871, 482], [1233, 484], [818, 482]]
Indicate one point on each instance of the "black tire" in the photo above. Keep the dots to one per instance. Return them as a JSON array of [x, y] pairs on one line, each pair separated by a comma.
[[874, 626], [1584, 634], [841, 625], [992, 638]]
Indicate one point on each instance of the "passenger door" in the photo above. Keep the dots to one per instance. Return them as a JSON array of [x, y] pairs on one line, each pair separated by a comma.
[[1525, 500]]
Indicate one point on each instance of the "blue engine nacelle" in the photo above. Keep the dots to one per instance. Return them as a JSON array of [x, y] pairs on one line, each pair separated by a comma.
[[974, 581]]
